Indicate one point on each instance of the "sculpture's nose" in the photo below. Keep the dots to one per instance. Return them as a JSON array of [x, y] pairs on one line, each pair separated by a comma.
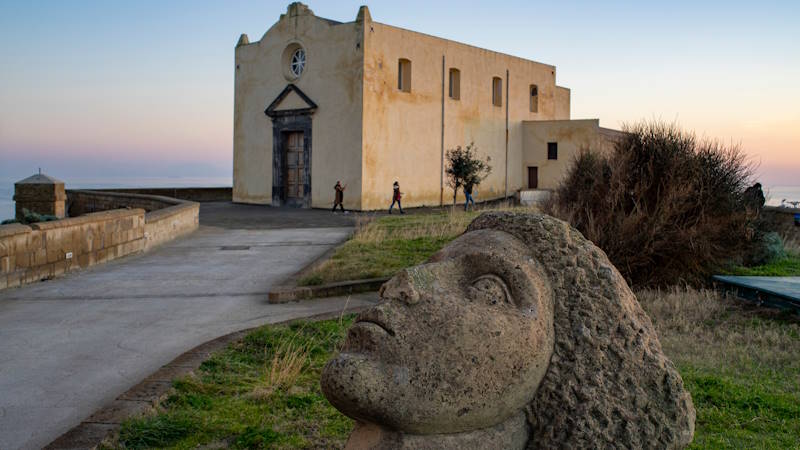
[[407, 286]]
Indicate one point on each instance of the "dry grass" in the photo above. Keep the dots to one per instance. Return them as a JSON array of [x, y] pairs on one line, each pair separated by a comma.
[[381, 247], [741, 364], [704, 329], [791, 244], [282, 370], [434, 226]]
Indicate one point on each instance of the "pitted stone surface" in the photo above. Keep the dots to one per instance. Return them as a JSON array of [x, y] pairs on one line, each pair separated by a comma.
[[520, 314]]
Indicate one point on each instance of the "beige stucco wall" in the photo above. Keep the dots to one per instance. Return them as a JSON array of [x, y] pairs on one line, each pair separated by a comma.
[[332, 79], [562, 103], [365, 131], [572, 136], [402, 132]]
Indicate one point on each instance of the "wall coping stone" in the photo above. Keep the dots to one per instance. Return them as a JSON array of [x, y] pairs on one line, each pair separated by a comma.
[[172, 205], [161, 214], [13, 229], [88, 218]]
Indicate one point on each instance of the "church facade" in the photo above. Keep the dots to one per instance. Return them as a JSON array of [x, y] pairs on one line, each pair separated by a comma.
[[318, 101]]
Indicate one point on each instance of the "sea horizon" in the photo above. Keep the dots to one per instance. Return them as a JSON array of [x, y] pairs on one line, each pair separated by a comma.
[[774, 194], [7, 186]]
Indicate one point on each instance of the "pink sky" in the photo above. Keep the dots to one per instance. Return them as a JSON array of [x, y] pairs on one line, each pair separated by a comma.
[[149, 85]]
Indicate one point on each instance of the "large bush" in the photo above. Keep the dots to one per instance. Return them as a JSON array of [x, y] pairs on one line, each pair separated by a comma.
[[665, 206]]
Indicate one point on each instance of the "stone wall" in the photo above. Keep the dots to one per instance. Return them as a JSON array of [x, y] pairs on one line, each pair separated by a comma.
[[170, 223], [84, 202], [205, 194], [134, 223], [30, 253], [782, 220], [166, 218]]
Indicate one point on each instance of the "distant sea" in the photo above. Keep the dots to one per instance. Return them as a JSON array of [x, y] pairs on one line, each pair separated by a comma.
[[7, 186], [778, 193], [774, 194]]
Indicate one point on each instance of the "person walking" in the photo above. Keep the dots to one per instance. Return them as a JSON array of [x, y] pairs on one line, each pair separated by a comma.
[[468, 195], [396, 195], [339, 196]]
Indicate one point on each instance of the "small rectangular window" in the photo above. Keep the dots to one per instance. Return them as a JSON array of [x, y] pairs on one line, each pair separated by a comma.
[[404, 75], [455, 84], [534, 98], [497, 91], [552, 150]]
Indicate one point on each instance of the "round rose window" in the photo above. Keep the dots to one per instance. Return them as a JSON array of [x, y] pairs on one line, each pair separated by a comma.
[[298, 62]]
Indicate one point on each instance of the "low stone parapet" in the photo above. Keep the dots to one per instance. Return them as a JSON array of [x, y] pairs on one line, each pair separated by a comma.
[[170, 223], [195, 194], [111, 225], [167, 218], [30, 253]]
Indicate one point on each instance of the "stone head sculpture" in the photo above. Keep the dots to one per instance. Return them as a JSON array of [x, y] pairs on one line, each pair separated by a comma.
[[520, 333]]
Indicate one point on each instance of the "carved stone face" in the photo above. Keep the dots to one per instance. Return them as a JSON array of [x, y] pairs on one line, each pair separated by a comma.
[[459, 343]]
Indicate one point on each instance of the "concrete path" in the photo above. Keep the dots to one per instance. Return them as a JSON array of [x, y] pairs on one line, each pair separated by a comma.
[[70, 345], [779, 292]]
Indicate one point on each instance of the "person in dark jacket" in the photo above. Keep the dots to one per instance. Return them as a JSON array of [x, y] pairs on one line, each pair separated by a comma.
[[468, 194], [339, 196], [396, 195]]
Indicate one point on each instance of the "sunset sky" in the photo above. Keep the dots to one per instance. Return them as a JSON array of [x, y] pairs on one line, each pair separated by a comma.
[[145, 88]]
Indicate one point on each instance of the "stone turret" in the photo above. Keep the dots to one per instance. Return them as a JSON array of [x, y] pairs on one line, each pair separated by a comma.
[[41, 194]]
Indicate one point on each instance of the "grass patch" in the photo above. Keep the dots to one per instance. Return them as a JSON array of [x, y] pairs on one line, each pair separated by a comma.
[[382, 247], [159, 431], [740, 363], [261, 392], [787, 266]]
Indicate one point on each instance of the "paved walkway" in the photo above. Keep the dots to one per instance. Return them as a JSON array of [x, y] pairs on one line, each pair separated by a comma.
[[70, 345], [780, 292]]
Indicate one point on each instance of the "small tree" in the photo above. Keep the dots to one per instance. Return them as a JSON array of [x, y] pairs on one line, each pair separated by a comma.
[[465, 167]]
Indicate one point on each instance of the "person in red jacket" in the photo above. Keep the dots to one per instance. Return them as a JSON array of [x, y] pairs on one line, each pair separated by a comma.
[[396, 195]]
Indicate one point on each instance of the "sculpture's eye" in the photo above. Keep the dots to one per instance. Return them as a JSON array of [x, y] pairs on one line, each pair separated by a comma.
[[491, 289]]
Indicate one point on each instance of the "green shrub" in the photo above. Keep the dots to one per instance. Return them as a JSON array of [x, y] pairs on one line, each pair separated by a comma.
[[767, 248], [29, 217], [34, 217], [666, 207]]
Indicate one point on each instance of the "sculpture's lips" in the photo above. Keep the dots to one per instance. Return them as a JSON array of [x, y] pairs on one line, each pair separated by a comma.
[[375, 322]]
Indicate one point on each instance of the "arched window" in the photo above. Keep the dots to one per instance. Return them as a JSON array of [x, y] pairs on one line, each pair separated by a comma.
[[404, 75], [497, 91], [534, 98], [455, 84]]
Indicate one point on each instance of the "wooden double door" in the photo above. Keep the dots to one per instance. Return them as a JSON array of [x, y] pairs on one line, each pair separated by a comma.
[[295, 172]]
